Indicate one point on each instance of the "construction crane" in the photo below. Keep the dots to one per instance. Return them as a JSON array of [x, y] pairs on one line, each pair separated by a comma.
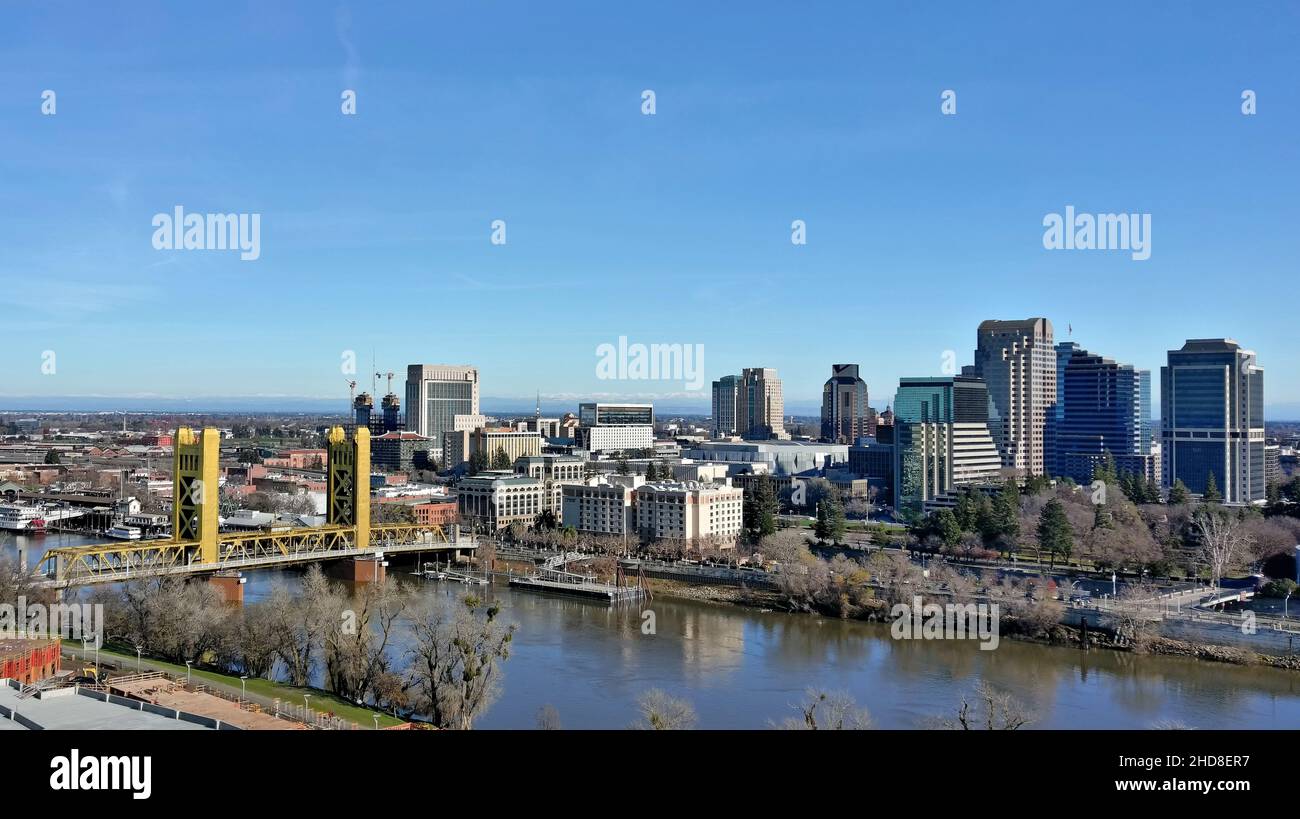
[[352, 393], [389, 375]]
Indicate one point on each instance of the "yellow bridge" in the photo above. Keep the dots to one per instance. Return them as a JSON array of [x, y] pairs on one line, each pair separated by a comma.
[[197, 547]]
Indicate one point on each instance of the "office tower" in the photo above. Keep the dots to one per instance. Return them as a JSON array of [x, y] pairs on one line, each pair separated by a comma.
[[1016, 360], [362, 408], [1212, 419], [941, 438], [1052, 429], [436, 394], [726, 398], [845, 414], [760, 406], [615, 427], [1105, 409]]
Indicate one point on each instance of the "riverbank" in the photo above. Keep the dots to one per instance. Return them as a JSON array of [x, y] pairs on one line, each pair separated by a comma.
[[1059, 636]]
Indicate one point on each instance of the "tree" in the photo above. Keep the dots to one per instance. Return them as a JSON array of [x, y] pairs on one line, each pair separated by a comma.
[[1178, 494], [662, 712], [623, 468], [478, 461], [830, 519], [52, 456], [760, 508], [1212, 493], [455, 670], [1222, 539], [548, 718], [1055, 536], [651, 473], [989, 710], [501, 460], [947, 528], [391, 513], [828, 711], [1006, 515]]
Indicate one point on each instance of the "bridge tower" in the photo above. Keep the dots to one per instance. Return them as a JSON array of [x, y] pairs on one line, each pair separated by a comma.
[[348, 501], [196, 480]]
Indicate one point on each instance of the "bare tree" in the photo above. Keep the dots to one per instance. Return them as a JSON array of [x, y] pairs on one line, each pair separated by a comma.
[[356, 637], [990, 710], [455, 662], [299, 622], [548, 718], [661, 711], [1137, 615], [1223, 541], [828, 711]]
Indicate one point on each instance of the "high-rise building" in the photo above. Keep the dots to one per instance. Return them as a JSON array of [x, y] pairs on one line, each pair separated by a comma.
[[845, 413], [941, 438], [615, 427], [760, 405], [1016, 360], [1212, 419], [1064, 350], [1105, 409], [726, 400], [436, 394]]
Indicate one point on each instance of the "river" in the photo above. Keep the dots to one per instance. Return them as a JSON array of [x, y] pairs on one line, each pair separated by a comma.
[[744, 668]]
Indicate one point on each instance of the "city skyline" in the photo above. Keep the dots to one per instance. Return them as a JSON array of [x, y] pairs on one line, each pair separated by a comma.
[[378, 226]]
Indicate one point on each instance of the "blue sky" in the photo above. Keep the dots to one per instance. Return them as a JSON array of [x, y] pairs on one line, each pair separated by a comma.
[[671, 228]]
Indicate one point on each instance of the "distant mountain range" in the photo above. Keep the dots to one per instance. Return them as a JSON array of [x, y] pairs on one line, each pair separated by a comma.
[[490, 405]]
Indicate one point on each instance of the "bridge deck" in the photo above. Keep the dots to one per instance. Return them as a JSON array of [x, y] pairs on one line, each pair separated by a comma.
[[126, 560]]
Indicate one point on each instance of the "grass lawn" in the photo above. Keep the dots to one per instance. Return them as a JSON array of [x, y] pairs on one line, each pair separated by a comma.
[[323, 701]]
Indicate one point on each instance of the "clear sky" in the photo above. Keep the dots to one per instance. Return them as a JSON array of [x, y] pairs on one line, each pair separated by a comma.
[[670, 228]]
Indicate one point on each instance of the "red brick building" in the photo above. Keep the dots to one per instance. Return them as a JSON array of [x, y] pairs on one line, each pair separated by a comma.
[[29, 661]]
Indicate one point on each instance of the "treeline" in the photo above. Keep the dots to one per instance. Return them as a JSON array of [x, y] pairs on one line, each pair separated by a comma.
[[447, 668]]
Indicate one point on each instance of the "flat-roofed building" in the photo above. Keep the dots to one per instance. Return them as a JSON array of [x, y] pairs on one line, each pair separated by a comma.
[[494, 499], [615, 427], [692, 513]]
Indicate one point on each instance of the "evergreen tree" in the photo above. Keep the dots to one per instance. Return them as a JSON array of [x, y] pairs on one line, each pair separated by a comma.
[[1152, 493], [835, 519], [967, 511], [1055, 536], [1006, 513], [947, 527], [1101, 517], [52, 457], [1178, 494], [760, 508], [623, 468], [501, 460], [1212, 493], [651, 474], [478, 462]]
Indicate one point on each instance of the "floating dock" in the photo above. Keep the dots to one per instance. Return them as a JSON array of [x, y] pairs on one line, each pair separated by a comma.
[[579, 588]]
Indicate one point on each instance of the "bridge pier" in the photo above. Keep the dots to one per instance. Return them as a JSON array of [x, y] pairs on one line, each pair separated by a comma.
[[367, 569], [230, 586]]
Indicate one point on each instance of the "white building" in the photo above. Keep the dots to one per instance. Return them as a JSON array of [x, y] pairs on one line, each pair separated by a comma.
[[615, 427], [690, 512]]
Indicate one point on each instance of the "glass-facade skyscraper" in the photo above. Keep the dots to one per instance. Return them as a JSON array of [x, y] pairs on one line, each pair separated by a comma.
[[1212, 419], [941, 438], [1105, 408]]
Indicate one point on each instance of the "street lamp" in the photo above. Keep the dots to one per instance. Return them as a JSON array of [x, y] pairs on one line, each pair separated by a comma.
[[187, 672], [139, 651], [306, 704], [243, 688], [1286, 605], [376, 716]]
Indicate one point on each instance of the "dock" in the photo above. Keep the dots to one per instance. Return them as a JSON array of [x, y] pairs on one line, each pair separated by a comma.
[[551, 577], [580, 588]]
